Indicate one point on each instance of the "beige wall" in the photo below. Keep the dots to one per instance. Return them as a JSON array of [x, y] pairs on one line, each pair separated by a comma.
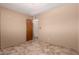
[[0, 27], [78, 26], [59, 26], [13, 27]]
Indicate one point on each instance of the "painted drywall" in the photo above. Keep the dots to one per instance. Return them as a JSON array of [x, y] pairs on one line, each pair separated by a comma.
[[78, 24], [13, 27], [59, 26], [0, 27]]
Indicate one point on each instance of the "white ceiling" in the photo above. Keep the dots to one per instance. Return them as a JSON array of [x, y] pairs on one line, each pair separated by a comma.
[[30, 8]]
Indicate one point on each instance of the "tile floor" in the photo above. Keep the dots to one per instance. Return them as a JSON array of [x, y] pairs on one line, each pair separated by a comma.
[[36, 47]]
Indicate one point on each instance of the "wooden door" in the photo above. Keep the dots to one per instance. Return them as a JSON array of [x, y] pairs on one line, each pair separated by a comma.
[[29, 29]]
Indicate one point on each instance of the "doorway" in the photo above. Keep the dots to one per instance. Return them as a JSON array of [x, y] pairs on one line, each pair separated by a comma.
[[29, 30], [35, 28]]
